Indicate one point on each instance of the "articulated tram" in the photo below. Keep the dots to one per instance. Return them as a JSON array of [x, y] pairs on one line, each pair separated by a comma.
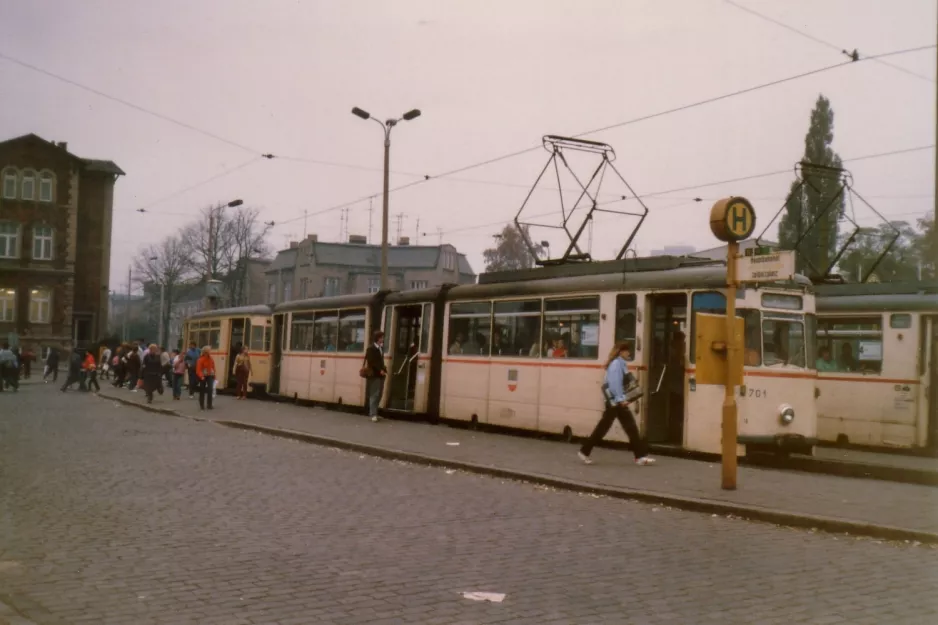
[[225, 331], [526, 350], [878, 364]]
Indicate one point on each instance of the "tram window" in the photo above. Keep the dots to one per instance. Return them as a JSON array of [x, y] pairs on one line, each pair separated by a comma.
[[856, 343], [301, 332], [214, 336], [571, 328], [810, 331], [705, 302], [783, 339], [752, 355], [352, 330], [900, 321], [625, 320], [256, 342], [517, 329], [267, 335], [470, 328], [780, 300], [325, 331], [425, 330]]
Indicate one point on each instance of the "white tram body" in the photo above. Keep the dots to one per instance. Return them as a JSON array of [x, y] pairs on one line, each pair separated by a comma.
[[879, 386], [224, 330]]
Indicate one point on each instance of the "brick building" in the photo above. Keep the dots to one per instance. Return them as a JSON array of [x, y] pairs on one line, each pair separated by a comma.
[[55, 243], [311, 268]]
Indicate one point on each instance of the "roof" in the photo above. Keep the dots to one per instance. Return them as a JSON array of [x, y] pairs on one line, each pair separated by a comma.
[[363, 255], [107, 167], [285, 259], [241, 311]]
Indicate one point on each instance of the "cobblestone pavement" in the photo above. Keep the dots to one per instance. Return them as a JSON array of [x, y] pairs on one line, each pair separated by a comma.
[[876, 502], [111, 515]]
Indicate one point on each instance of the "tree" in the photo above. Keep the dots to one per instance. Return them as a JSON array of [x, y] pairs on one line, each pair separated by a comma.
[[806, 204], [907, 259], [509, 253], [221, 242], [165, 266]]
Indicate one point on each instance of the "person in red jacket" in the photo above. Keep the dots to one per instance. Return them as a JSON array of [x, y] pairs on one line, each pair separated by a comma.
[[205, 371], [91, 371]]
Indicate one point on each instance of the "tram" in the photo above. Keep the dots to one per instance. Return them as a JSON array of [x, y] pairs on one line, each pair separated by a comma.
[[878, 364], [526, 350], [225, 331]]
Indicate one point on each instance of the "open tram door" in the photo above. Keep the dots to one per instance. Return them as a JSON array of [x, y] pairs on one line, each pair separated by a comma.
[[276, 356], [664, 395], [240, 328], [407, 375]]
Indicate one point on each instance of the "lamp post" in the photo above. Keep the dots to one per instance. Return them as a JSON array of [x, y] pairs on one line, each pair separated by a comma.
[[386, 129], [211, 235]]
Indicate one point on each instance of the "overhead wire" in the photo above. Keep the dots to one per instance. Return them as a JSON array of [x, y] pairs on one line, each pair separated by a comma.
[[823, 42]]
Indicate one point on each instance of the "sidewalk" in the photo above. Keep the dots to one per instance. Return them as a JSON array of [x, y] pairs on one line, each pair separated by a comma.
[[858, 506]]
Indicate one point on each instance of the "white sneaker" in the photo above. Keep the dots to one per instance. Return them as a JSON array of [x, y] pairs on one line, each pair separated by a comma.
[[645, 461], [375, 419], [586, 459]]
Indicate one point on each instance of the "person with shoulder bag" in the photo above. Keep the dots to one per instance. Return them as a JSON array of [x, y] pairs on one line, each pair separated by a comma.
[[617, 407], [375, 372]]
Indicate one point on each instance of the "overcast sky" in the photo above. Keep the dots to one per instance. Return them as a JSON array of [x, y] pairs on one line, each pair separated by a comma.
[[491, 77]]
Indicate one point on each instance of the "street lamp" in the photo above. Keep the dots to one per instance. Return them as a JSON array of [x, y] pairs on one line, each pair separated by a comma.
[[386, 128], [211, 235]]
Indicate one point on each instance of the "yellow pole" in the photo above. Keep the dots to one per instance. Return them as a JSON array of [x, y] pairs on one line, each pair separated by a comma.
[[732, 353]]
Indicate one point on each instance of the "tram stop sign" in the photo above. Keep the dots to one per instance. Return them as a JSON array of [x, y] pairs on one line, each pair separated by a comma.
[[732, 219]]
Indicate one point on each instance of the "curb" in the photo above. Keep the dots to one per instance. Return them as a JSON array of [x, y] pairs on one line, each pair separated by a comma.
[[692, 504]]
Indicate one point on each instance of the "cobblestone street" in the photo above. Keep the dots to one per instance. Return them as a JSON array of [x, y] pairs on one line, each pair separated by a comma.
[[112, 515]]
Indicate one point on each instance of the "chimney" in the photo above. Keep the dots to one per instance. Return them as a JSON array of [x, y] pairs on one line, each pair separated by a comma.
[[403, 241], [357, 238], [294, 245], [312, 237], [63, 145]]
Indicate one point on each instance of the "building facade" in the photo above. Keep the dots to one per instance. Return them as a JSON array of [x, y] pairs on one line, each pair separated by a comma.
[[55, 243], [311, 268]]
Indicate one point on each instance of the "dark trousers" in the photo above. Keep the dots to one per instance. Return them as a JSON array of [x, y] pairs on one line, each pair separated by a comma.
[[177, 384], [73, 378], [9, 376], [206, 387], [93, 381], [627, 420], [53, 371], [193, 381]]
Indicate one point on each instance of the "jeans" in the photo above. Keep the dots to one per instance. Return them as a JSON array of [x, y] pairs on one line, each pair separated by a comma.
[[374, 387], [206, 387], [93, 381], [193, 381], [177, 384], [624, 415]]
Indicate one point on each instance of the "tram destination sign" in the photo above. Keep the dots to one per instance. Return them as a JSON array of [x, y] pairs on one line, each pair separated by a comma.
[[779, 265]]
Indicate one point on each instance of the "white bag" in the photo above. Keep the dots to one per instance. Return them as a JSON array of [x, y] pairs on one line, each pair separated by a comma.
[[215, 388]]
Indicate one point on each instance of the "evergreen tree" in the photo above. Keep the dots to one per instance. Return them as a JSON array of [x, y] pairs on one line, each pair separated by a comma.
[[509, 253], [814, 196]]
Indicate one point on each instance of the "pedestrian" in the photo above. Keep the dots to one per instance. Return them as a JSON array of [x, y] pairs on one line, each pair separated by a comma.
[[617, 369], [166, 363], [91, 370], [192, 356], [9, 368], [52, 366], [118, 364], [151, 371], [242, 369], [74, 371], [374, 372], [179, 372], [205, 370], [106, 362], [133, 367], [28, 357]]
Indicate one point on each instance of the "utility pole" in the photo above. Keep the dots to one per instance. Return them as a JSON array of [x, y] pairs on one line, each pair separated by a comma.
[[371, 209], [400, 224], [162, 292], [126, 308], [934, 255], [211, 243]]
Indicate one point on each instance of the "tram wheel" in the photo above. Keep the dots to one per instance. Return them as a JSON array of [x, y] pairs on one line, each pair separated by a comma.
[[474, 423], [568, 434]]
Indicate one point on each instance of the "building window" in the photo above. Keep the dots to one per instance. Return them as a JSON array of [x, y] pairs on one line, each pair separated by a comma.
[[7, 304], [304, 288], [9, 184], [330, 287], [419, 284], [29, 185], [271, 293], [374, 284], [40, 305], [9, 240], [46, 186], [287, 291], [42, 243], [449, 261]]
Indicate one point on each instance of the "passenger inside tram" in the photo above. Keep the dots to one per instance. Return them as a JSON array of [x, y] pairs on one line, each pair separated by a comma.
[[825, 361], [456, 346], [847, 361]]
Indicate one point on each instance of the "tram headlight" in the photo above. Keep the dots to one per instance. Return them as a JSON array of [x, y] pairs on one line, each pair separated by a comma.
[[786, 414]]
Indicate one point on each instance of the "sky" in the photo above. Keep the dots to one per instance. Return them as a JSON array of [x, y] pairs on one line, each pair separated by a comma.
[[185, 95]]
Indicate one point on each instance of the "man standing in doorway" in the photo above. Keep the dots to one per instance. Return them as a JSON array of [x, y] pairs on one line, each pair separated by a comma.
[[377, 372]]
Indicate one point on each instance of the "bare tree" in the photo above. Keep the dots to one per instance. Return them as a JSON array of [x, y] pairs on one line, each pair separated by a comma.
[[166, 265], [221, 242]]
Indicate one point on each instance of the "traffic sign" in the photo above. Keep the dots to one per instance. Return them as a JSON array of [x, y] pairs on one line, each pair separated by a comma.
[[771, 267], [732, 219]]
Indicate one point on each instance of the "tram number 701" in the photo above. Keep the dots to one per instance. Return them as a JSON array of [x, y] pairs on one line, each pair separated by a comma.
[[758, 393]]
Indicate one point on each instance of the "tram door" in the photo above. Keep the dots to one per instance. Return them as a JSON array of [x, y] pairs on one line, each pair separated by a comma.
[[664, 417], [276, 357], [240, 328], [405, 348]]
